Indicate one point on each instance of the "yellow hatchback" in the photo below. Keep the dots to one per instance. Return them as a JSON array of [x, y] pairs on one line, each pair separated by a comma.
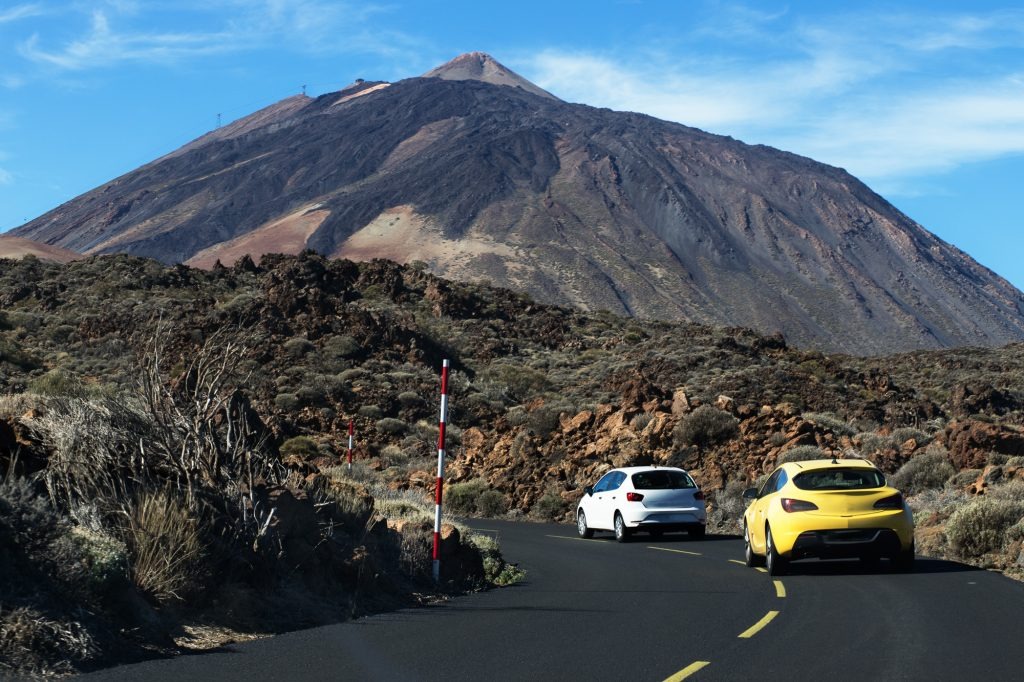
[[826, 508]]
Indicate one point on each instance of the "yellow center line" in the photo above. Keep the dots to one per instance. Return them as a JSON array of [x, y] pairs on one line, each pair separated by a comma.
[[737, 561], [763, 570], [756, 627], [780, 589], [677, 551], [687, 671]]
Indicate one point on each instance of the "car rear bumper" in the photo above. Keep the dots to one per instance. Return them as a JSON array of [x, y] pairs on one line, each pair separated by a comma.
[[667, 519], [884, 533]]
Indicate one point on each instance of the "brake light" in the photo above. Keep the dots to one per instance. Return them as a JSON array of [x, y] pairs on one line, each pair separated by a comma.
[[891, 502], [634, 497], [699, 495], [790, 505]]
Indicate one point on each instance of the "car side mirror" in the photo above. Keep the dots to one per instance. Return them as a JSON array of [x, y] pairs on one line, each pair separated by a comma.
[[750, 494], [589, 490]]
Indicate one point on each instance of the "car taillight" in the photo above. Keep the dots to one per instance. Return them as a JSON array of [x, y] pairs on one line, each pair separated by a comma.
[[790, 505], [699, 495], [891, 502], [634, 497]]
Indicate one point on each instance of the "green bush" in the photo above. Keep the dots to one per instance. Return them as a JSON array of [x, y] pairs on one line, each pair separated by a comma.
[[370, 412], [339, 347], [901, 436], [979, 527], [298, 347], [59, 382], [830, 422], [550, 506], [462, 498], [964, 477], [303, 446], [801, 453], [926, 471], [705, 426], [410, 399], [394, 427], [491, 503], [543, 420], [288, 402]]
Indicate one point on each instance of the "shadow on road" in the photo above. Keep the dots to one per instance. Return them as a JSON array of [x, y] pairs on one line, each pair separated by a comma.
[[857, 567]]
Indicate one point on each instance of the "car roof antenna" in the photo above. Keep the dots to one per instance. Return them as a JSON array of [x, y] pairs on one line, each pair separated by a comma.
[[834, 460]]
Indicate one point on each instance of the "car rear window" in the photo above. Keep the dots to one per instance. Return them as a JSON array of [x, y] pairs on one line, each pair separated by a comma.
[[662, 480], [839, 479]]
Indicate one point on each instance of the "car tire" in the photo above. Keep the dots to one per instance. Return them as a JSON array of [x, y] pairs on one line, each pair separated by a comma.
[[774, 561], [622, 532], [582, 528], [753, 560], [696, 533], [904, 561]]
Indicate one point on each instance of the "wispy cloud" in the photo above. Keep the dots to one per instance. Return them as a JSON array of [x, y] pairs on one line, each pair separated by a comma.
[[885, 97], [5, 177], [20, 12], [299, 25]]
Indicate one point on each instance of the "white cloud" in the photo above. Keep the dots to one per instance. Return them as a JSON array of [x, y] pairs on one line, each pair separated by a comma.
[[301, 25], [5, 177], [887, 98], [20, 12]]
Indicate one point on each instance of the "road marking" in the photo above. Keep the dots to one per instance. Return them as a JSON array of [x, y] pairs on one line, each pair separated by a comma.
[[569, 537], [780, 589], [756, 627], [677, 551], [737, 561], [687, 671], [763, 570]]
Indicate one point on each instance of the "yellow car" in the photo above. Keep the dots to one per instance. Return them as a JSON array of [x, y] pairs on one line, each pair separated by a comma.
[[827, 509]]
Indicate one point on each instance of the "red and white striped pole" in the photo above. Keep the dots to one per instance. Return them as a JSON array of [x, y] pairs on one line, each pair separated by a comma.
[[440, 472], [351, 440]]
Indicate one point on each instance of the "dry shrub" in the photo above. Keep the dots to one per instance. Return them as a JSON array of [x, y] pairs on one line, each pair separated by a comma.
[[461, 498], [705, 426], [165, 545], [32, 642], [928, 470], [979, 527], [801, 453], [491, 503]]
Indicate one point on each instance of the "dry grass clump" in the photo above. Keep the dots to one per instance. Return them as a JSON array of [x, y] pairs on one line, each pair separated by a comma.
[[830, 422], [164, 539]]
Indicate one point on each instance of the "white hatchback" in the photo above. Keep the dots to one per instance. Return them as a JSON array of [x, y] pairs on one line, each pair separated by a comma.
[[649, 498]]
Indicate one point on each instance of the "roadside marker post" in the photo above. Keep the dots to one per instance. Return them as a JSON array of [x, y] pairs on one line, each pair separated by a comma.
[[351, 439], [440, 472]]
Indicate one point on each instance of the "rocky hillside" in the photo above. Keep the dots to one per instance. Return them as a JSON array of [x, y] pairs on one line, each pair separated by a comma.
[[543, 398], [484, 176]]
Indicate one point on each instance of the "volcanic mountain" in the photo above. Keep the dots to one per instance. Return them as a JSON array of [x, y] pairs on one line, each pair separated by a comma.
[[480, 174]]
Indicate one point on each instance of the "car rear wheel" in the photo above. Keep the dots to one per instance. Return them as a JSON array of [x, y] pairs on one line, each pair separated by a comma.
[[753, 560], [581, 526], [622, 533], [774, 561], [904, 561]]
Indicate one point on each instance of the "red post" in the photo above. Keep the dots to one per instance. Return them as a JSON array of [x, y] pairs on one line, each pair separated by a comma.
[[440, 471], [351, 438]]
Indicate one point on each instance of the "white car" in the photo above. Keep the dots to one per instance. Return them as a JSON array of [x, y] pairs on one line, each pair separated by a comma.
[[649, 498]]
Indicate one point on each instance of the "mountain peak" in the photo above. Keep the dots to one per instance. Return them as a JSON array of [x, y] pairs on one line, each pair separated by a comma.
[[480, 66]]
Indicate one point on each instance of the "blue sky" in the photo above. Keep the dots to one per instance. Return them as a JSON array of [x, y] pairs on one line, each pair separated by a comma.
[[924, 101]]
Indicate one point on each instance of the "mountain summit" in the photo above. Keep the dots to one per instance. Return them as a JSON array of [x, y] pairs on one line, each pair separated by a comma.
[[479, 66], [473, 171]]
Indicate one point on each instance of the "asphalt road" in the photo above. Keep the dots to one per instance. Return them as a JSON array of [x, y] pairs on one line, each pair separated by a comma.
[[598, 610]]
